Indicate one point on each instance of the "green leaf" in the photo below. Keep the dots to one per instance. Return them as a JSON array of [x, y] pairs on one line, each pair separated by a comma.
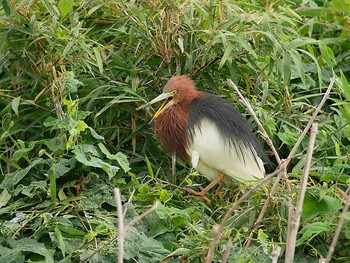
[[287, 69], [60, 241], [54, 144], [50, 121], [226, 55], [81, 125], [27, 245], [15, 104], [22, 152], [98, 59], [342, 5], [88, 158], [95, 134], [298, 64], [13, 179], [63, 166], [289, 136], [53, 186], [4, 198], [311, 230], [65, 6], [119, 157], [10, 255], [344, 85], [145, 249], [314, 206]]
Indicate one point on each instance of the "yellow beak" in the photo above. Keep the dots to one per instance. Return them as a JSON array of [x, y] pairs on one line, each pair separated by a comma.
[[166, 104]]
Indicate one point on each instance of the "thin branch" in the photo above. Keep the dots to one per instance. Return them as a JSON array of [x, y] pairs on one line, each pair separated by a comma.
[[218, 229], [263, 209], [126, 228], [294, 215], [261, 127], [144, 214], [121, 232], [340, 225], [275, 254], [227, 252], [277, 157], [311, 121]]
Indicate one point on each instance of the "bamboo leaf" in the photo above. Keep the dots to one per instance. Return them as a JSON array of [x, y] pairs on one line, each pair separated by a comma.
[[226, 55]]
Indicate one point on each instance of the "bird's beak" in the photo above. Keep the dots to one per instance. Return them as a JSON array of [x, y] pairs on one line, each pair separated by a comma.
[[166, 104]]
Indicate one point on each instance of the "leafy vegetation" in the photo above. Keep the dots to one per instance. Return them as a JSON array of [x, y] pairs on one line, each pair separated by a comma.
[[72, 74]]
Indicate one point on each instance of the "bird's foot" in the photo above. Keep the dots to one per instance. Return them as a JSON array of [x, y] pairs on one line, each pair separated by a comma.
[[201, 194]]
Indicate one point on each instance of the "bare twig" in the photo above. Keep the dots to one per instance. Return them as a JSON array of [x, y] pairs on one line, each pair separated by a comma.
[[121, 232], [218, 229], [311, 121], [144, 214], [261, 127], [275, 254], [277, 157], [227, 252], [294, 216], [340, 225], [126, 228]]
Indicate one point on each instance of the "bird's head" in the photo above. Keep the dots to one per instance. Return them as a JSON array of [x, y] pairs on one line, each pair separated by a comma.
[[178, 89]]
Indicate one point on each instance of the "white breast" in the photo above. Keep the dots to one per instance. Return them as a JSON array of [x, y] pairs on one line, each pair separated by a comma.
[[212, 154]]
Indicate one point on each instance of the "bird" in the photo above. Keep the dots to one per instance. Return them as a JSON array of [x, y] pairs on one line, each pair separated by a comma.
[[204, 130]]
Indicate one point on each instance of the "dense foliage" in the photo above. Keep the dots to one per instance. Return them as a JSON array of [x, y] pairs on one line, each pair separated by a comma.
[[72, 74]]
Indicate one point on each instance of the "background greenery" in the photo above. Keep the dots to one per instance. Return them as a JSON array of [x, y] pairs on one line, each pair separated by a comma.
[[72, 74]]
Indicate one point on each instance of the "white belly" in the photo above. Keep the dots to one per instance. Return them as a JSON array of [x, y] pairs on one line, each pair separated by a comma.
[[212, 154]]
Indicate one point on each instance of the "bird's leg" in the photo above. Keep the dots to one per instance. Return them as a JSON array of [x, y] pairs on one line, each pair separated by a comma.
[[207, 188], [218, 190]]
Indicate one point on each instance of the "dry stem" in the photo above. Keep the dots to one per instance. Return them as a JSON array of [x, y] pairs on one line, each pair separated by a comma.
[[121, 232], [294, 215], [340, 225]]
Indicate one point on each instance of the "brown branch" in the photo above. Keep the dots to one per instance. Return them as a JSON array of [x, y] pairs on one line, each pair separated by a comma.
[[339, 226], [294, 215]]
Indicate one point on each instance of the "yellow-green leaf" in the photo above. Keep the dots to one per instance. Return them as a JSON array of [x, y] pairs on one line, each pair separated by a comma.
[[65, 6]]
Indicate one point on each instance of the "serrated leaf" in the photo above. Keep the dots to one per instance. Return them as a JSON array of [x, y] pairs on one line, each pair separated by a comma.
[[65, 6], [15, 104]]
